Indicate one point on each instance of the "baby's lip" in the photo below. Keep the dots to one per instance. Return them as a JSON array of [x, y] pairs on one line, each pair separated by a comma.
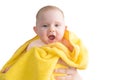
[[51, 37]]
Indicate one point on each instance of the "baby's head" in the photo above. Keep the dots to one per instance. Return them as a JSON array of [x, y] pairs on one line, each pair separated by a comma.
[[50, 24]]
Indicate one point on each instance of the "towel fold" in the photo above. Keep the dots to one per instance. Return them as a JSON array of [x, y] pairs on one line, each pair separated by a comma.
[[39, 62]]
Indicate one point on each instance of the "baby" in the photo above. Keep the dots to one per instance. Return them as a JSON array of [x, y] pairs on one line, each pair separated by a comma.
[[50, 27]]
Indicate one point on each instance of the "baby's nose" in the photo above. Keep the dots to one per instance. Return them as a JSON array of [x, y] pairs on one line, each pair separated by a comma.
[[52, 29]]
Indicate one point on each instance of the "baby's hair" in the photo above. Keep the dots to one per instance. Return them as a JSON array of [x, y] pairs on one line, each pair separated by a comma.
[[49, 7]]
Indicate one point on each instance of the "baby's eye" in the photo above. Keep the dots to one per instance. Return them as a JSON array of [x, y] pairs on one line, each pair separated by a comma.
[[56, 25], [44, 25]]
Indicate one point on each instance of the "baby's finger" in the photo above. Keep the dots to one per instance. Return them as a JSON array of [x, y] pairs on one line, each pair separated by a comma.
[[60, 61], [60, 70], [69, 77], [65, 71]]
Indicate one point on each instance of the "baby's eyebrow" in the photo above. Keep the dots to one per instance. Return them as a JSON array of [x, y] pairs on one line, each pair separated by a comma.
[[57, 22]]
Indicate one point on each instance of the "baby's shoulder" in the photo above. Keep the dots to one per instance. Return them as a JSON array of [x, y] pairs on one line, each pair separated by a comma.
[[35, 43]]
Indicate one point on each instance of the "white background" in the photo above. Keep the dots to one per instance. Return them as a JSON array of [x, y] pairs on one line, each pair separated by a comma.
[[96, 22]]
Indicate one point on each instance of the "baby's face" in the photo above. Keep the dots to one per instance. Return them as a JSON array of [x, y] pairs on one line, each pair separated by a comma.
[[50, 26]]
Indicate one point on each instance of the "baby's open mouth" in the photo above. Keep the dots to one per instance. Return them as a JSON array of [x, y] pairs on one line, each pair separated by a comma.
[[51, 37]]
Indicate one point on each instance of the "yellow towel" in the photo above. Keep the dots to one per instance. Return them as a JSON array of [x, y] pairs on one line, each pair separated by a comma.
[[39, 62]]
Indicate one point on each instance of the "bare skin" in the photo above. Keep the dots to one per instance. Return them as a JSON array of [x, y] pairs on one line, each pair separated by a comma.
[[71, 72]]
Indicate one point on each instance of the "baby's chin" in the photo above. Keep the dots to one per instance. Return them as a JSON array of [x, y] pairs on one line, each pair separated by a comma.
[[51, 41]]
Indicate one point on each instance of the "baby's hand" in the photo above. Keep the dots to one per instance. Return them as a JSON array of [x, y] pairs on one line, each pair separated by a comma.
[[72, 74], [4, 71]]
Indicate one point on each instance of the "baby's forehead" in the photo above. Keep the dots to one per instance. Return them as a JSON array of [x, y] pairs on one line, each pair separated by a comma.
[[47, 9]]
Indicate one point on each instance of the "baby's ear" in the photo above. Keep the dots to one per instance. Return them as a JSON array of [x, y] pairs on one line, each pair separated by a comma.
[[65, 27], [35, 29]]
